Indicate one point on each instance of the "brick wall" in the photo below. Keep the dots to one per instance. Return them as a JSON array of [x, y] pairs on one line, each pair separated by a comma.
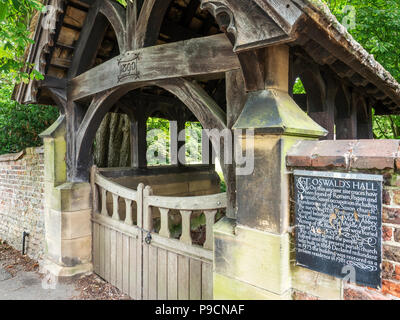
[[371, 157], [22, 200]]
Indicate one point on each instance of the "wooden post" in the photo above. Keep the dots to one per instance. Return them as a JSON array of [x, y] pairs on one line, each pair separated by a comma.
[[138, 142], [182, 141]]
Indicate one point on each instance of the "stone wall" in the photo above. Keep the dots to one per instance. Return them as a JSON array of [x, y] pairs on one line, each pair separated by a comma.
[[366, 156], [22, 200]]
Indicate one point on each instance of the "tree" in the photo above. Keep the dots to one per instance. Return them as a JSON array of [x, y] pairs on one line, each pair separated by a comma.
[[20, 125], [15, 37], [377, 29]]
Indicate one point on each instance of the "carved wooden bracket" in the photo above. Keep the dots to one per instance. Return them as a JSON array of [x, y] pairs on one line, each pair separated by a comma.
[[255, 24], [38, 51]]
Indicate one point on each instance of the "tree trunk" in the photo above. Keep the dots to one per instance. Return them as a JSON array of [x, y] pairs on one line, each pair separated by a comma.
[[112, 142], [101, 143]]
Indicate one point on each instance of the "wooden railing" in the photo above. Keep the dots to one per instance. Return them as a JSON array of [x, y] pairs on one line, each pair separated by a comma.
[[102, 186], [209, 205], [146, 202]]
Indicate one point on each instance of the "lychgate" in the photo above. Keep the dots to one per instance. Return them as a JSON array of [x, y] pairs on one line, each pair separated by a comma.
[[167, 231]]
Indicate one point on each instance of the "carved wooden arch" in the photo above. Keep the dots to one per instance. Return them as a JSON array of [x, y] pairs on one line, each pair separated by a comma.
[[116, 15], [149, 22], [100, 15], [59, 97], [363, 117], [313, 82], [341, 88], [192, 95]]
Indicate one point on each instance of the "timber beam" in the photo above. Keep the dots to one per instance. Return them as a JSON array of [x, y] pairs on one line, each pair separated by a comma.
[[180, 59]]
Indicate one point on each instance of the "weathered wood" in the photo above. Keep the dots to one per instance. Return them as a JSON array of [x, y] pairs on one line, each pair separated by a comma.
[[147, 210], [113, 257], [235, 101], [120, 262], [196, 99], [128, 212], [115, 188], [107, 250], [145, 269], [125, 264], [210, 221], [186, 236], [195, 279], [164, 230], [283, 12], [177, 246], [95, 190], [183, 277], [138, 142], [133, 271], [139, 264], [149, 22], [115, 214], [116, 15], [172, 276], [96, 247], [102, 251], [153, 271], [217, 201], [89, 41], [104, 211], [206, 281], [342, 52], [162, 277], [233, 16], [179, 59], [111, 224], [131, 24]]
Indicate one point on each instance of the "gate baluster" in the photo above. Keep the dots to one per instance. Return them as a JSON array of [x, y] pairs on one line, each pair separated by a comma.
[[115, 215], [210, 220], [164, 230], [104, 211], [186, 237], [128, 212]]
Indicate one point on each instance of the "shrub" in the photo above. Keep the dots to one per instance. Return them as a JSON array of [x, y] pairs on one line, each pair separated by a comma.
[[20, 125]]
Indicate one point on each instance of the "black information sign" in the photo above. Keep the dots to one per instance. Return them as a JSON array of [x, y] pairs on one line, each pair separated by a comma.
[[339, 225]]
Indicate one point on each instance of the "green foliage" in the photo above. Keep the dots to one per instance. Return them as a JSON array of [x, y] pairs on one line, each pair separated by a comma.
[[20, 125], [377, 29], [298, 87], [158, 139], [387, 127], [193, 142], [15, 16]]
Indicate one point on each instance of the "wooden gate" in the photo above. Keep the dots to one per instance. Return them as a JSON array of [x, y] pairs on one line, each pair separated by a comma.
[[143, 263]]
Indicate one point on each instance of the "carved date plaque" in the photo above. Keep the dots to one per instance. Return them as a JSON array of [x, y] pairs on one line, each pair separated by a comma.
[[128, 66], [339, 225]]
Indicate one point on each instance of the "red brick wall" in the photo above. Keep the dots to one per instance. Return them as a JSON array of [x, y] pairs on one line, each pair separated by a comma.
[[366, 156], [22, 200]]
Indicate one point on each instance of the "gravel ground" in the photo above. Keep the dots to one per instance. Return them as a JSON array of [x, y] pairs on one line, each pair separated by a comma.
[[20, 279]]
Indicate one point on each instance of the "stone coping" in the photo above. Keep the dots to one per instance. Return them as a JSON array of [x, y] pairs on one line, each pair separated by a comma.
[[16, 156], [347, 154]]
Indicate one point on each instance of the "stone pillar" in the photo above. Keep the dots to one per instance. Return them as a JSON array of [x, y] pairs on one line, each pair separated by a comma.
[[252, 253], [67, 210]]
